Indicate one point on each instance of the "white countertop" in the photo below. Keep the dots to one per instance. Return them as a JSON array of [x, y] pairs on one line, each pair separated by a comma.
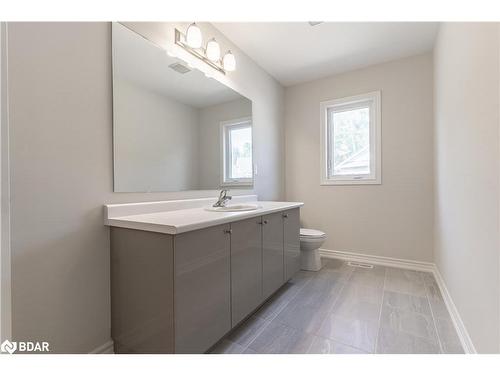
[[185, 220]]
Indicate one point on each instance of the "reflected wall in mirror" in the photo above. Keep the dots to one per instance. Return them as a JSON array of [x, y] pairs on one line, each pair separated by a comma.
[[173, 127]]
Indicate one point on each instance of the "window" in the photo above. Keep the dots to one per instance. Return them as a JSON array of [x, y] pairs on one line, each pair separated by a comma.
[[351, 140], [236, 152]]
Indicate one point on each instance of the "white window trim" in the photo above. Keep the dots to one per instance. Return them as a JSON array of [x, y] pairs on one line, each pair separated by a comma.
[[375, 178], [224, 125]]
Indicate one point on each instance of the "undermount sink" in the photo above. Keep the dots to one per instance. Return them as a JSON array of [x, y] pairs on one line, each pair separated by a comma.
[[234, 208]]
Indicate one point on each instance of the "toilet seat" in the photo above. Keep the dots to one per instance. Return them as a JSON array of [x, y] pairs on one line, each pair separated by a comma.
[[306, 233]]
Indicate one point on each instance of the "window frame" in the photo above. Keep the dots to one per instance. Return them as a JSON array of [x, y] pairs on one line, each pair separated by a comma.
[[225, 161], [373, 99]]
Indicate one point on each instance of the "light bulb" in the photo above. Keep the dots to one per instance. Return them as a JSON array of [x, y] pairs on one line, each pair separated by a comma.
[[213, 50], [229, 62], [193, 36]]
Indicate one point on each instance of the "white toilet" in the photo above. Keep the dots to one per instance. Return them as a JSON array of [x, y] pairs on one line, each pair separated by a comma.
[[310, 242]]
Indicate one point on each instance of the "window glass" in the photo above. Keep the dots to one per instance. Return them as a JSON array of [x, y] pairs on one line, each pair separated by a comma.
[[350, 146], [240, 158]]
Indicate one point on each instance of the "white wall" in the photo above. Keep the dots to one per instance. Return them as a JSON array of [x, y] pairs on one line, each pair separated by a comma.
[[61, 173], [155, 141], [467, 174], [210, 138], [394, 219]]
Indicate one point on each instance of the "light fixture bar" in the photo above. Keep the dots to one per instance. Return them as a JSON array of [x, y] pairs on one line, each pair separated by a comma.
[[199, 53]]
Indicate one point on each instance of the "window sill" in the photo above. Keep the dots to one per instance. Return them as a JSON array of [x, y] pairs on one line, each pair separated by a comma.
[[242, 183], [351, 182]]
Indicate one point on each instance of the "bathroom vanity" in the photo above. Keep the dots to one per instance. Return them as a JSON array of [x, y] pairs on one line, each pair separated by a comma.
[[183, 276]]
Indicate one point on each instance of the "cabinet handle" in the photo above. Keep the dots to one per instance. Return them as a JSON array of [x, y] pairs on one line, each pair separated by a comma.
[[265, 222], [285, 215], [228, 231]]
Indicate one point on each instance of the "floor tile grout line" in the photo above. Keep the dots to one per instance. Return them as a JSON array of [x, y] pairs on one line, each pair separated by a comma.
[[257, 334], [347, 282], [337, 341], [380, 314], [315, 334], [269, 321], [344, 285], [291, 298]]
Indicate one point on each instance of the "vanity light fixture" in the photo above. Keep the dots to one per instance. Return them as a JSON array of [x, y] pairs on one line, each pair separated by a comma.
[[229, 62], [213, 50], [193, 36], [192, 42]]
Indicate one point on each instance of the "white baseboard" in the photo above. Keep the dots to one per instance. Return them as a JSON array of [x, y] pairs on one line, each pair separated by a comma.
[[382, 261], [463, 335], [106, 348], [459, 325]]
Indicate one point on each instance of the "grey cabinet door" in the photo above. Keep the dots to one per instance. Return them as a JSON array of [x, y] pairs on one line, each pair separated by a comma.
[[291, 242], [246, 267], [272, 253], [202, 288], [142, 291]]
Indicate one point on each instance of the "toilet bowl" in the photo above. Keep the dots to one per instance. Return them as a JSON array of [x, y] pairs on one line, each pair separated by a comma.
[[310, 242]]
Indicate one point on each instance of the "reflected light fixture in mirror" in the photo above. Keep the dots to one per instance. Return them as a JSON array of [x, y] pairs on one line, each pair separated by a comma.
[[193, 36], [192, 42], [229, 62], [213, 50]]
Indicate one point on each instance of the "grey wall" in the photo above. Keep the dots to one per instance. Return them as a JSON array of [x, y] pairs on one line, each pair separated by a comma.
[[5, 269], [61, 173], [467, 174], [394, 219], [210, 139], [155, 141]]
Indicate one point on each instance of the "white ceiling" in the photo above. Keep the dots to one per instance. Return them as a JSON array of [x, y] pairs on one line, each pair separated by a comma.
[[295, 52]]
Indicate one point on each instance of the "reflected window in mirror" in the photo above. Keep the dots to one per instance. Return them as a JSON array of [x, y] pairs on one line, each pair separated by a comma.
[[236, 160]]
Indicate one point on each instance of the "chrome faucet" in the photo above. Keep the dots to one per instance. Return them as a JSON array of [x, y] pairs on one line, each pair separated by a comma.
[[223, 198]]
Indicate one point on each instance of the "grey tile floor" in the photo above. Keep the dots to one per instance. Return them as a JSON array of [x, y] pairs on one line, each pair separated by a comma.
[[343, 309]]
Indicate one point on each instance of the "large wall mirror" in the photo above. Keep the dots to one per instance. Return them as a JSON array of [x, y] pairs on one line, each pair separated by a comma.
[[173, 127]]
